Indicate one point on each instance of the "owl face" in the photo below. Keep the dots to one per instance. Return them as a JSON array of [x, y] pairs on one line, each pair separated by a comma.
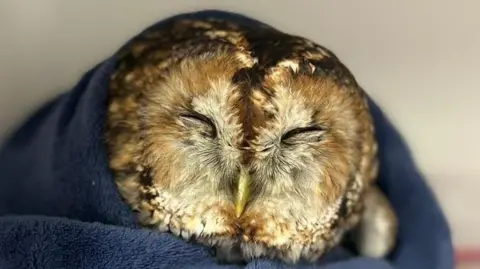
[[216, 139], [260, 164]]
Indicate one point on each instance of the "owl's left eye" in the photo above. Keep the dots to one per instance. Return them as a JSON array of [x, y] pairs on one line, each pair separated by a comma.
[[304, 134], [194, 119]]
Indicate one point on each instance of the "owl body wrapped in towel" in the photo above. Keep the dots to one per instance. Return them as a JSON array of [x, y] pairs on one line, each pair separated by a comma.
[[251, 141]]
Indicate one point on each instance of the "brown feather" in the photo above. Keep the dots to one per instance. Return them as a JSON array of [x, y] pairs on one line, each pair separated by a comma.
[[254, 84]]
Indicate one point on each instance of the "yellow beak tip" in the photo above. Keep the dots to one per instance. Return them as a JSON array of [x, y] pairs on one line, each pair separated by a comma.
[[239, 207]]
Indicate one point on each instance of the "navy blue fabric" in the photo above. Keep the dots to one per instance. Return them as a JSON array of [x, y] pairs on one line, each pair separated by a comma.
[[59, 207]]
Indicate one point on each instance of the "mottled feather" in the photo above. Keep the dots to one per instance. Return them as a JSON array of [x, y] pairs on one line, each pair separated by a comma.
[[195, 103]]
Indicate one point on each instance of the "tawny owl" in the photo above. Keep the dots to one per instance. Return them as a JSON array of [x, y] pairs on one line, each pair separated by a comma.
[[246, 139]]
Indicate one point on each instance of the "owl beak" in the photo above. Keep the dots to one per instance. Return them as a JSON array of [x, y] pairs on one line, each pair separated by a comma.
[[243, 192]]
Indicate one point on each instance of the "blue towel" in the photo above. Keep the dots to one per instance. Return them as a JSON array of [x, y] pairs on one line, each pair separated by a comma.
[[59, 207]]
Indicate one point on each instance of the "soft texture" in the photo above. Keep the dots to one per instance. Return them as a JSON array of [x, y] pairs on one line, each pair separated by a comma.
[[59, 207]]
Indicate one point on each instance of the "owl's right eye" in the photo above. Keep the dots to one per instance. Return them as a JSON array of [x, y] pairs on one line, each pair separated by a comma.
[[204, 123]]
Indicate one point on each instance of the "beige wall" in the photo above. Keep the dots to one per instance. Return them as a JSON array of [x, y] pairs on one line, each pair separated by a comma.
[[419, 58]]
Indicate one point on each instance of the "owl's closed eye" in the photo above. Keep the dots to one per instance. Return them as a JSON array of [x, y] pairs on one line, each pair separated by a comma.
[[251, 141], [309, 134], [199, 123]]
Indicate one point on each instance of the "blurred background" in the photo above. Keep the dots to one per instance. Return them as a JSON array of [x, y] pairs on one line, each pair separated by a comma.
[[420, 60]]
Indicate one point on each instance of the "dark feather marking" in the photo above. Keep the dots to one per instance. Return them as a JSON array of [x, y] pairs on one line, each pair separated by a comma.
[[344, 209], [146, 177], [246, 79]]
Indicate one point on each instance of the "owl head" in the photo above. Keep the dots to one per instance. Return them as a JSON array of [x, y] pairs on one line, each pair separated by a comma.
[[253, 159]]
